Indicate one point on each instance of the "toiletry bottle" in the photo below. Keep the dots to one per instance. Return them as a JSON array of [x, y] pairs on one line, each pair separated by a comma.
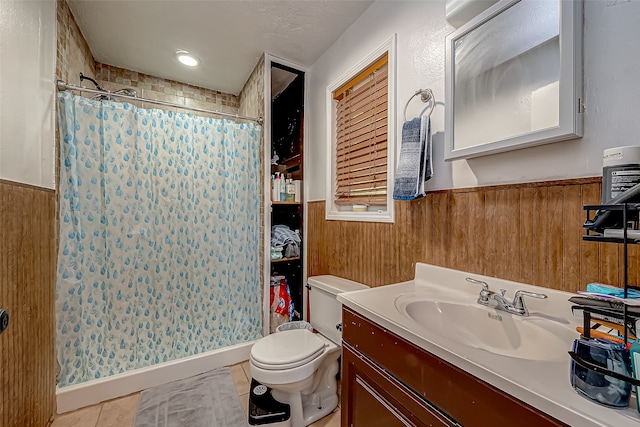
[[291, 191], [275, 189], [274, 192], [283, 190], [297, 196]]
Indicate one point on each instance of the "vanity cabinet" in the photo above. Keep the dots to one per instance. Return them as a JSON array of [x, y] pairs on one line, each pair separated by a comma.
[[387, 381]]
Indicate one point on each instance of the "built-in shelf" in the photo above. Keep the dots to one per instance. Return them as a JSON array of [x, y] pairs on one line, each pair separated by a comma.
[[295, 258], [284, 143]]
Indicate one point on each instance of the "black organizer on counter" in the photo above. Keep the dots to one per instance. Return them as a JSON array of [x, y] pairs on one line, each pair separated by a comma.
[[623, 212]]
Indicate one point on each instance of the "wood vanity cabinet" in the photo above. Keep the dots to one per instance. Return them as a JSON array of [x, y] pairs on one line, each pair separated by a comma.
[[388, 382]]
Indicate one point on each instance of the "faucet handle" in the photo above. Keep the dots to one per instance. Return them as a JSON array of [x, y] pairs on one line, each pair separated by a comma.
[[518, 302], [483, 298], [503, 291], [484, 285]]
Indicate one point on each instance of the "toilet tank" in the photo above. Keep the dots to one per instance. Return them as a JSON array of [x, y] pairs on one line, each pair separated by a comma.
[[325, 311]]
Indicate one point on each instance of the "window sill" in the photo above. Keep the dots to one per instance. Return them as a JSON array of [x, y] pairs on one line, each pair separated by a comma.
[[381, 216]]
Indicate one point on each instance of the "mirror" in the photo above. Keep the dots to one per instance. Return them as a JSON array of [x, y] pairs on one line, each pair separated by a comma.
[[514, 78]]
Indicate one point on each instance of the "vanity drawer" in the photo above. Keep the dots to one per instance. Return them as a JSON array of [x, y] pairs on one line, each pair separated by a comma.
[[372, 397], [465, 398]]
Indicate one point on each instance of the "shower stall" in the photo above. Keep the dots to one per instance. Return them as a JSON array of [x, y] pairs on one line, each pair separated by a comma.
[[159, 244]]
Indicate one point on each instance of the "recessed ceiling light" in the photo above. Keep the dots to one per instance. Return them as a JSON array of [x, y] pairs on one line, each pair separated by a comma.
[[186, 58]]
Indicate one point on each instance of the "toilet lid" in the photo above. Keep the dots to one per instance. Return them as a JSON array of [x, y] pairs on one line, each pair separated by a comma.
[[287, 349]]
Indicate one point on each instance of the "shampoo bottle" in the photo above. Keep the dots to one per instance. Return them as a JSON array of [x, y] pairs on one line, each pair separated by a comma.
[[275, 188]]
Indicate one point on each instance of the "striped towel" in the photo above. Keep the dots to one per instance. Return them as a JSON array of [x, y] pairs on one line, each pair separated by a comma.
[[414, 165]]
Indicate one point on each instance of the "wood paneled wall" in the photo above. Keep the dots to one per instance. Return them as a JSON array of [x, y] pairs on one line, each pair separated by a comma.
[[27, 292], [530, 233]]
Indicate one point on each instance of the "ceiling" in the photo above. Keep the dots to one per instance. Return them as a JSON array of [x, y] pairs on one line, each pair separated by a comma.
[[227, 36]]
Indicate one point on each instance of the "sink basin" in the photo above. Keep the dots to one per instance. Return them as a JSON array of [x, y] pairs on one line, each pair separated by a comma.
[[495, 331]]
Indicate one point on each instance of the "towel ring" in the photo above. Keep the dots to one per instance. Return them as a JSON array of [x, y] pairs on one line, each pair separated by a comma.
[[426, 95]]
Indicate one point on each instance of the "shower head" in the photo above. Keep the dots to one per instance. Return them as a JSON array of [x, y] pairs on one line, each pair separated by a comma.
[[108, 96]]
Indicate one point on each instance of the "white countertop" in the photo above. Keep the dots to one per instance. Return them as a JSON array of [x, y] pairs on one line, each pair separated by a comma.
[[542, 384]]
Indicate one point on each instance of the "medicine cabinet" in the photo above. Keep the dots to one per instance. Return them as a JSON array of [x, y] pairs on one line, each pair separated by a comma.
[[514, 78]]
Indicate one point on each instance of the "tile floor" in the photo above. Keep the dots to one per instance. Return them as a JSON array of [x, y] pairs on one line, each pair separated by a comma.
[[121, 412]]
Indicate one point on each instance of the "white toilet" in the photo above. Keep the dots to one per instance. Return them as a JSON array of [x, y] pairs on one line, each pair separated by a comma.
[[301, 366]]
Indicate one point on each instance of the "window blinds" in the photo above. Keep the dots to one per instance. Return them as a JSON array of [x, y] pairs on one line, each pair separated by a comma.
[[361, 127]]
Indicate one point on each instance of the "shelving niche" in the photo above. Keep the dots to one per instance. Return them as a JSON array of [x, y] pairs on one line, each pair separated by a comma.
[[287, 159]]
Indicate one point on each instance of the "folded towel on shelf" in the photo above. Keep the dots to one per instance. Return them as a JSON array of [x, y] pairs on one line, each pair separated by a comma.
[[281, 235], [414, 165]]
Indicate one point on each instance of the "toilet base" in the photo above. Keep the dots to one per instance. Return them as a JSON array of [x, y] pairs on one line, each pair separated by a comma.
[[307, 409], [265, 410], [309, 399]]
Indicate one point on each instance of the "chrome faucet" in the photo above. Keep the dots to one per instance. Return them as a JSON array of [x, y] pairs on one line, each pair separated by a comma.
[[516, 306]]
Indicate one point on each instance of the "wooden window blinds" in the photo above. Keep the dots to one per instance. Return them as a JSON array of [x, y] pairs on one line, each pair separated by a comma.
[[361, 137]]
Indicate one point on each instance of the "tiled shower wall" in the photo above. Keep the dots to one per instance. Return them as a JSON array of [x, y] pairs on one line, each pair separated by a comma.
[[251, 98], [73, 53], [146, 86], [251, 101]]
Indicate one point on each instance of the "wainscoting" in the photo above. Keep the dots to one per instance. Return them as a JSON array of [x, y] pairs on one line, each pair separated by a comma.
[[27, 286], [528, 232]]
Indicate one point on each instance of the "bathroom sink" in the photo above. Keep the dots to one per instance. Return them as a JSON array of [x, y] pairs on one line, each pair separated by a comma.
[[533, 337]]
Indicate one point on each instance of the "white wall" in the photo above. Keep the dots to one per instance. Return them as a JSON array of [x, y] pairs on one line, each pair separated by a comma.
[[612, 93], [27, 68]]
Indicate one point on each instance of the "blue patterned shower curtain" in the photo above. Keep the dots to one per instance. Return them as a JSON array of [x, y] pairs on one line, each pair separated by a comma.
[[159, 237]]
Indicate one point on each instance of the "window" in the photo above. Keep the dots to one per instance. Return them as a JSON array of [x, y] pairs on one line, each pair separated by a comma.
[[362, 141]]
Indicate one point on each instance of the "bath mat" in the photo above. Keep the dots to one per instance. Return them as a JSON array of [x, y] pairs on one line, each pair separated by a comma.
[[206, 400]]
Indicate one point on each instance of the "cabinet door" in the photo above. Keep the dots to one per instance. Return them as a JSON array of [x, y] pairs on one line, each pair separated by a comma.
[[371, 398], [463, 397]]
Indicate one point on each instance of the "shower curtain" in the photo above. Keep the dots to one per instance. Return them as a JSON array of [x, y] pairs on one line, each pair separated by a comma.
[[159, 237]]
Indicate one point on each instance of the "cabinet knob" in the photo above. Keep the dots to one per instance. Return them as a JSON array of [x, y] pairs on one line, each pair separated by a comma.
[[339, 327]]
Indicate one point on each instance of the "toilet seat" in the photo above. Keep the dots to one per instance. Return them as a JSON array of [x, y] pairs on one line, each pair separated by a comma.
[[287, 349]]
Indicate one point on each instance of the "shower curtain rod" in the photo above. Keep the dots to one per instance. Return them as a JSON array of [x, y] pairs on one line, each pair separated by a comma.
[[63, 86]]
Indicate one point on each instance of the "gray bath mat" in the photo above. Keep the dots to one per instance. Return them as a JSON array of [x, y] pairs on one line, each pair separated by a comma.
[[206, 400]]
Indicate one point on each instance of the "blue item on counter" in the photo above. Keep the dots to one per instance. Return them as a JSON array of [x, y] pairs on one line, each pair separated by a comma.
[[601, 388], [601, 288]]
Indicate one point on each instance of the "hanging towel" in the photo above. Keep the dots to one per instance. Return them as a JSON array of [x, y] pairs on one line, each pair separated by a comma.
[[414, 165], [425, 135]]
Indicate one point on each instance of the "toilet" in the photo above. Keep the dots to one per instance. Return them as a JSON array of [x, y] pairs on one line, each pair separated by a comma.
[[300, 366]]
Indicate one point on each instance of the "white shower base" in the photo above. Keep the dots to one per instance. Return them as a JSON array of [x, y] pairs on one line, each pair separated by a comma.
[[78, 396]]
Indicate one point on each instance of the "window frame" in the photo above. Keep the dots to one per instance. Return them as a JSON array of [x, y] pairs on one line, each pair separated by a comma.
[[333, 211]]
